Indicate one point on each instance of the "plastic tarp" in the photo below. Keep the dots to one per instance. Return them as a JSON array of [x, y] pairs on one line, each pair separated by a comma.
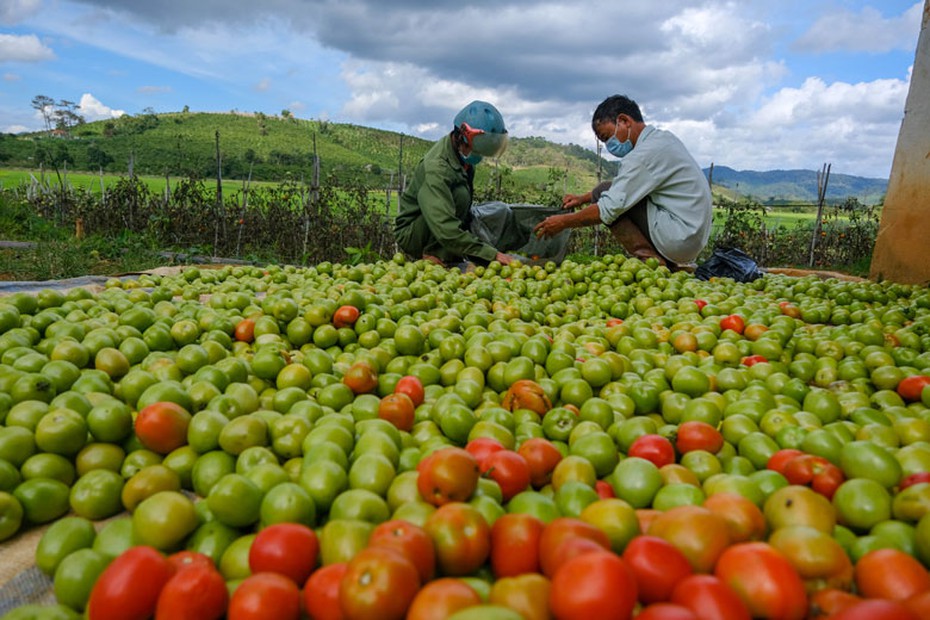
[[509, 228]]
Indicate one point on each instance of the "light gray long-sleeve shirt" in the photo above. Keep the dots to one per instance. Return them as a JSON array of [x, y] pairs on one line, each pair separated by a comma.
[[679, 207]]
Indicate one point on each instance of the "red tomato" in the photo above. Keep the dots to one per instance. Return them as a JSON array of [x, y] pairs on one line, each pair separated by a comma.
[[570, 548], [560, 530], [196, 592], [815, 471], [441, 598], [891, 574], [162, 427], [700, 303], [764, 578], [481, 448], [510, 471], [411, 541], [919, 604], [289, 549], [593, 585], [265, 595], [515, 544], [447, 475], [604, 490], [752, 360], [399, 410], [461, 537], [187, 559], [876, 609], [666, 611], [710, 598], [781, 458], [912, 479], [697, 435], [734, 322], [657, 565], [321, 592], [379, 583], [412, 387], [614, 321], [345, 316], [911, 387], [542, 457], [245, 330], [654, 448], [129, 587]]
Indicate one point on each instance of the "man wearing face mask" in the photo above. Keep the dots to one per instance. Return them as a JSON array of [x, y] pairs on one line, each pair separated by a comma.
[[434, 210], [659, 204]]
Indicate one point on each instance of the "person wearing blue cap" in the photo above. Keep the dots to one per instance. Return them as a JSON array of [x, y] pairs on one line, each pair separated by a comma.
[[434, 209]]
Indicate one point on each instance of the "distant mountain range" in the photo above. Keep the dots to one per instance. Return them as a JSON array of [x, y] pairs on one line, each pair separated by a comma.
[[797, 186]]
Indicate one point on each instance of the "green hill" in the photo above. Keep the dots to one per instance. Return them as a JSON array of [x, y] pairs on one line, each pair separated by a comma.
[[274, 148], [773, 187]]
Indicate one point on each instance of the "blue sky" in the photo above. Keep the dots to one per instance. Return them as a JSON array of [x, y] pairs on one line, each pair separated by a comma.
[[750, 84]]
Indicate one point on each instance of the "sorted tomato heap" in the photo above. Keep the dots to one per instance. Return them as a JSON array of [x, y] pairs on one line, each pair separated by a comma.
[[393, 440]]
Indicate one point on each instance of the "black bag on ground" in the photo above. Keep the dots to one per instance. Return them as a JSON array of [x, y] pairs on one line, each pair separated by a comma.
[[729, 263]]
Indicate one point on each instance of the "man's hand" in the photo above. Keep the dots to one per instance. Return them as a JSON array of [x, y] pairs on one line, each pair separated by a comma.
[[573, 201], [433, 259], [503, 259], [551, 226]]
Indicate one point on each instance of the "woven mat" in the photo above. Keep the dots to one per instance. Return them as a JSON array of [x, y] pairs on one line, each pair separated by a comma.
[[21, 582]]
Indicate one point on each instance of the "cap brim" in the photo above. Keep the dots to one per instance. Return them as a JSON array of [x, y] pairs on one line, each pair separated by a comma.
[[490, 144]]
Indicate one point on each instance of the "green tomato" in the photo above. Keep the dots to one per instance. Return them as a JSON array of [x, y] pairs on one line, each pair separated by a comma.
[[61, 539], [75, 577], [862, 503], [636, 481]]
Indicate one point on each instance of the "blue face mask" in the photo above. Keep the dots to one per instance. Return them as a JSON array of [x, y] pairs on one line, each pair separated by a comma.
[[617, 148], [473, 159]]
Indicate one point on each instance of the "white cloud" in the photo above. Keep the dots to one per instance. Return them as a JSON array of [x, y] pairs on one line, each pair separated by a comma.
[[866, 31], [11, 77], [263, 85], [15, 129], [14, 11], [23, 48], [93, 110]]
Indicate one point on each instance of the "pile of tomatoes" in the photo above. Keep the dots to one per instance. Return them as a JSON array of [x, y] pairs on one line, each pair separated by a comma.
[[400, 440]]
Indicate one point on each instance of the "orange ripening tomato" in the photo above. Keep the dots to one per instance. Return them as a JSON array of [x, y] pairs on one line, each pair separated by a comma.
[[441, 598], [361, 378], [245, 330], [447, 475], [697, 532], [527, 594], [399, 410], [526, 394], [345, 316], [764, 578], [891, 574], [379, 584], [745, 520], [876, 609], [162, 427], [481, 448], [461, 537], [829, 601], [697, 435], [666, 611]]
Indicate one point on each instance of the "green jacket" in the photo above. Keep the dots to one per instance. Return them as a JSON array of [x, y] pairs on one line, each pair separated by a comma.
[[434, 209]]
